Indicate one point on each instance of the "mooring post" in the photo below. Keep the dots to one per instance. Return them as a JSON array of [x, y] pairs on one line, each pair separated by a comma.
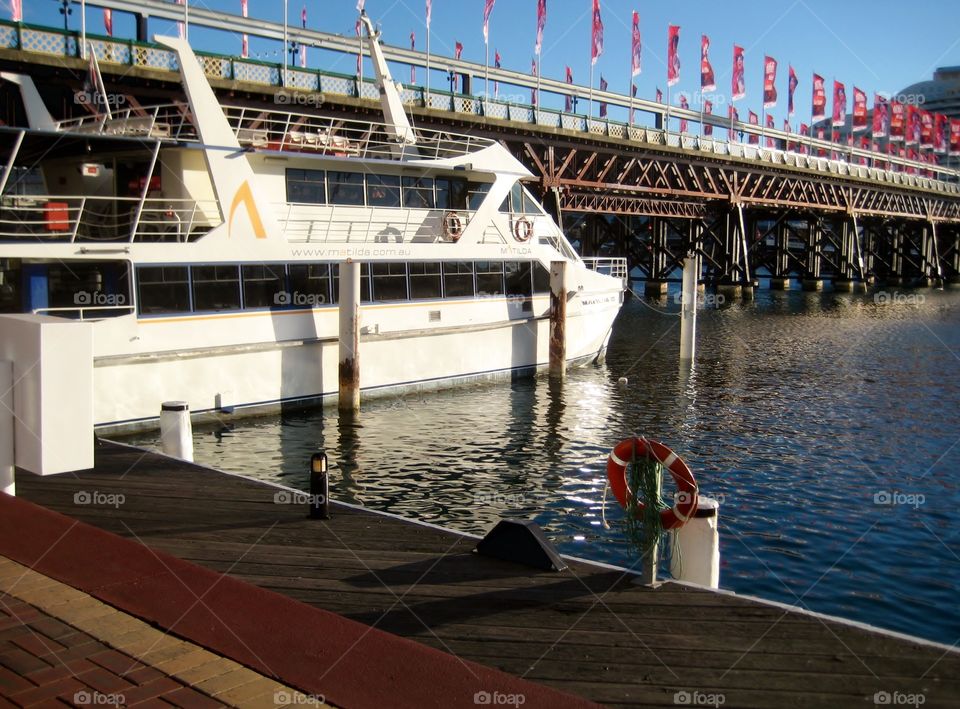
[[558, 319], [7, 460], [688, 308], [648, 571], [349, 369], [695, 547], [176, 430]]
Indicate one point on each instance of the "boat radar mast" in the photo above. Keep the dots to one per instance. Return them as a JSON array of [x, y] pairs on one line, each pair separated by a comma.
[[398, 127]]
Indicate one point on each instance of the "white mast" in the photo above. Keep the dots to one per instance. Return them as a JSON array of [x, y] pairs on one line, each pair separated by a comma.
[[398, 127]]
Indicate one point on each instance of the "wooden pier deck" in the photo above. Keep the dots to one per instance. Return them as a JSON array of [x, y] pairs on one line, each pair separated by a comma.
[[587, 631]]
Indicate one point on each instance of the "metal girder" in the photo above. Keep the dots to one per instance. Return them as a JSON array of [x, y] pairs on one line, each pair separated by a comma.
[[598, 202], [635, 182]]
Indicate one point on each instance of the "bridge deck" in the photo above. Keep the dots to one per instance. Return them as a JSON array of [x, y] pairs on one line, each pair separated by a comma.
[[587, 631]]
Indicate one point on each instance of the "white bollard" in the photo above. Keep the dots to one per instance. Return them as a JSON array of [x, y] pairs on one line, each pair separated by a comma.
[[176, 431], [695, 547], [7, 482]]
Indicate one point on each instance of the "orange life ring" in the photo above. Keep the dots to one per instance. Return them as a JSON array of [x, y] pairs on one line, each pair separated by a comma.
[[632, 448], [452, 227], [522, 229]]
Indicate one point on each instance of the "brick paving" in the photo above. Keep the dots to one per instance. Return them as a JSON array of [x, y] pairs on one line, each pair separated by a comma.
[[60, 647]]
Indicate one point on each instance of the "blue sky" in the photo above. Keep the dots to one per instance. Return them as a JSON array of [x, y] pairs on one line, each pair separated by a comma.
[[877, 45]]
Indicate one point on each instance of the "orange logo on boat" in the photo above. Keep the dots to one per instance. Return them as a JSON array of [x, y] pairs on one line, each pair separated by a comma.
[[244, 196]]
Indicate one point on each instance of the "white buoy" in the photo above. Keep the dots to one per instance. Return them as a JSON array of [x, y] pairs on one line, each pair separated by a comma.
[[176, 431], [695, 547], [7, 482]]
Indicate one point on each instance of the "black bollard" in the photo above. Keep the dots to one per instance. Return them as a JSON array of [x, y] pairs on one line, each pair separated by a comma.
[[319, 487]]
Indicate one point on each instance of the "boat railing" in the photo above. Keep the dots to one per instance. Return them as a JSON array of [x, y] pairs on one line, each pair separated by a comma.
[[355, 224], [609, 266], [86, 312], [55, 218], [272, 130], [166, 122]]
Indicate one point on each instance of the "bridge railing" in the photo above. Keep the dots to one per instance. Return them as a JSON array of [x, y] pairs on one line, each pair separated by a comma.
[[300, 87]]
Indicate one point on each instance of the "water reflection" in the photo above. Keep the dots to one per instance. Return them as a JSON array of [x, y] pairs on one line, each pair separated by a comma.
[[798, 410]]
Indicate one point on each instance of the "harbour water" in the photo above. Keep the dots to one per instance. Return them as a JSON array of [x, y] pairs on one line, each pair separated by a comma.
[[828, 425]]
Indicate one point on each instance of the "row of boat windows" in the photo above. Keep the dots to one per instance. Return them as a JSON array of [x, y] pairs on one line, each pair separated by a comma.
[[185, 289], [362, 189]]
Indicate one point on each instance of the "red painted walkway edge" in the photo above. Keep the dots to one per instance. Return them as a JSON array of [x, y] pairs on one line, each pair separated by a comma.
[[319, 652]]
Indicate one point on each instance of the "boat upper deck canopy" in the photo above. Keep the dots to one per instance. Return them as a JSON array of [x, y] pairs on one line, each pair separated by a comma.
[[259, 129]]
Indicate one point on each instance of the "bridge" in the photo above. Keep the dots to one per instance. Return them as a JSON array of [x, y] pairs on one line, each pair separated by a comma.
[[789, 207]]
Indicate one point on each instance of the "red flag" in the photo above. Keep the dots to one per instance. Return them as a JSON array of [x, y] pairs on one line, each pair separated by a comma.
[[896, 121], [108, 21], [17, 8], [673, 55], [603, 105], [496, 63], [786, 125], [487, 9], [303, 16], [457, 50], [913, 128], [429, 12], [839, 105], [541, 23], [835, 136], [792, 83], [940, 133], [859, 110], [245, 39], [819, 111], [754, 139], [954, 136], [360, 4], [596, 34], [708, 81], [734, 118], [569, 98], [708, 110], [881, 116], [684, 123], [738, 85], [926, 129], [769, 82], [659, 96], [635, 45], [770, 124]]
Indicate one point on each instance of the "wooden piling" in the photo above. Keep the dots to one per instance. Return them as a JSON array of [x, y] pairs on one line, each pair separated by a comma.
[[349, 362], [558, 319]]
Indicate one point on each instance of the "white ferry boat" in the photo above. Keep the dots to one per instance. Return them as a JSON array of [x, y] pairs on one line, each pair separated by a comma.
[[204, 240]]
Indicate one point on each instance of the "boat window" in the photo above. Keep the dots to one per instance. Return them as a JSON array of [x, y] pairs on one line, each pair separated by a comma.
[[530, 205], [457, 279], [383, 191], [541, 278], [418, 193], [264, 287], [11, 298], [216, 287], [489, 277], [425, 280], [306, 186], [518, 278], [346, 187], [364, 282], [389, 281], [309, 285], [451, 193], [163, 289], [476, 193], [516, 198]]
